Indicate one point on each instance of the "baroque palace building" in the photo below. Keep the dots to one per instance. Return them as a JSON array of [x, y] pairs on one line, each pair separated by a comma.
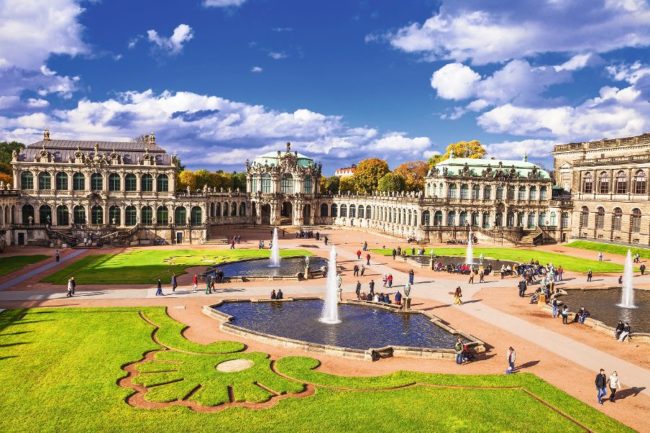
[[95, 192]]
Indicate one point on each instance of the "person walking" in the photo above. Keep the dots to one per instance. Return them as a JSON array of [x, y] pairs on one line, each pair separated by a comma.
[[589, 275], [208, 285], [390, 280], [195, 283], [70, 288], [368, 259], [356, 270], [371, 287], [458, 295], [159, 291], [614, 385], [522, 288], [358, 254], [471, 276], [74, 284], [174, 283], [363, 270], [642, 268], [601, 383], [458, 350], [57, 258], [555, 304], [512, 357], [565, 315], [481, 276], [394, 253], [411, 277], [358, 290]]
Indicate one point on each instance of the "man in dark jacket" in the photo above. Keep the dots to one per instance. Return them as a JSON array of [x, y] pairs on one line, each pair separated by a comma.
[[601, 383], [522, 288]]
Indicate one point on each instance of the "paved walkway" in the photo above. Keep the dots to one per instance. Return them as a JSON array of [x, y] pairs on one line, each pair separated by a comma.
[[47, 266], [568, 348]]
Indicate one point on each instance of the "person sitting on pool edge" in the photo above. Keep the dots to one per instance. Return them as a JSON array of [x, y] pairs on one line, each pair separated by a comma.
[[273, 294], [280, 294]]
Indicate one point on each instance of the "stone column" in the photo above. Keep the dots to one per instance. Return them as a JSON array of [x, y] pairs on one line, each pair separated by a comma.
[[138, 185], [122, 216]]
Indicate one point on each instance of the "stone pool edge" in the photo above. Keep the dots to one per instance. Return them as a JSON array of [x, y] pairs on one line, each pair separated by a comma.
[[371, 354]]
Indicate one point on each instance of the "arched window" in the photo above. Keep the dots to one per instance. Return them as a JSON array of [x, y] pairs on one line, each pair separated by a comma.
[[604, 183], [255, 183], [437, 218], [162, 215], [584, 216], [464, 192], [114, 215], [266, 183], [451, 218], [543, 193], [587, 183], [242, 209], [79, 214], [62, 215], [533, 193], [217, 209], [362, 211], [475, 192], [146, 183], [114, 182], [451, 192], [130, 216], [286, 183], [487, 192], [463, 219], [499, 192], [510, 219], [511, 193], [541, 221], [146, 215], [97, 215], [233, 209], [368, 212], [96, 182], [334, 210], [553, 219], [486, 220], [344, 210], [636, 220], [225, 209], [180, 216], [323, 209], [600, 217], [522, 193], [531, 220], [130, 182], [565, 220], [640, 185], [162, 183], [44, 180], [26, 180], [617, 218], [196, 215], [78, 182], [62, 182], [45, 214], [621, 182], [353, 211], [474, 221], [308, 186]]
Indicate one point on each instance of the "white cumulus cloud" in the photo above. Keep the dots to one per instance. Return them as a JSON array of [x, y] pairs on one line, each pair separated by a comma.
[[174, 44], [223, 3], [455, 81]]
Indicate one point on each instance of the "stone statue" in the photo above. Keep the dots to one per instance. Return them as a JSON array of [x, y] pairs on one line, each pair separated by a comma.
[[407, 290], [188, 190]]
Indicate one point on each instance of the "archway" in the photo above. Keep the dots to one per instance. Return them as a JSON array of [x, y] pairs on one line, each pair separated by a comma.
[[306, 214], [286, 213], [266, 214]]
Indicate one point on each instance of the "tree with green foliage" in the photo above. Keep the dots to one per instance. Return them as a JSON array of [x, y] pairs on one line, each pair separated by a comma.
[[461, 149], [6, 149], [329, 185], [367, 174], [346, 184], [391, 182]]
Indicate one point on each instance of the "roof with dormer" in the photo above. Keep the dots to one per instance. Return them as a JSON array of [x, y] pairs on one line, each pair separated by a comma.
[[131, 152], [456, 166]]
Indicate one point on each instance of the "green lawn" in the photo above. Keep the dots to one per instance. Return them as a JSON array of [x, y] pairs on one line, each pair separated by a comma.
[[609, 248], [59, 369], [13, 263], [569, 263], [145, 266]]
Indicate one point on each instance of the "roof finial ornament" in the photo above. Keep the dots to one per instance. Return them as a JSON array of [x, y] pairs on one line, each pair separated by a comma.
[[152, 139], [451, 154], [46, 134], [525, 156], [288, 147]]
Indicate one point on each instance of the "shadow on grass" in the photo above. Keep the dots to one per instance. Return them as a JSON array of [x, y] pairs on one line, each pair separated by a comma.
[[2, 358], [15, 344]]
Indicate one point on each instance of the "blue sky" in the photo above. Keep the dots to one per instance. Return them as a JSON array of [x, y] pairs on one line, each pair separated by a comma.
[[220, 81]]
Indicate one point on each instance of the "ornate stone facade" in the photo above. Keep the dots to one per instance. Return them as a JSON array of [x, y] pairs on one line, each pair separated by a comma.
[[608, 182]]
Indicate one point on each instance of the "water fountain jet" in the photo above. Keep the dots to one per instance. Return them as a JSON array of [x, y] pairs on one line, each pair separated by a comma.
[[275, 250], [330, 314], [469, 253], [627, 294]]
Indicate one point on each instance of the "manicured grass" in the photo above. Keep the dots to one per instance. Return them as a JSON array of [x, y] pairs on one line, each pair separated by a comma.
[[13, 263], [569, 263], [59, 369], [609, 248], [146, 266]]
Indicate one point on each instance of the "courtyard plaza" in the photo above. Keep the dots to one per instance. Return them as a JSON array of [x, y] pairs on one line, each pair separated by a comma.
[[565, 356]]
